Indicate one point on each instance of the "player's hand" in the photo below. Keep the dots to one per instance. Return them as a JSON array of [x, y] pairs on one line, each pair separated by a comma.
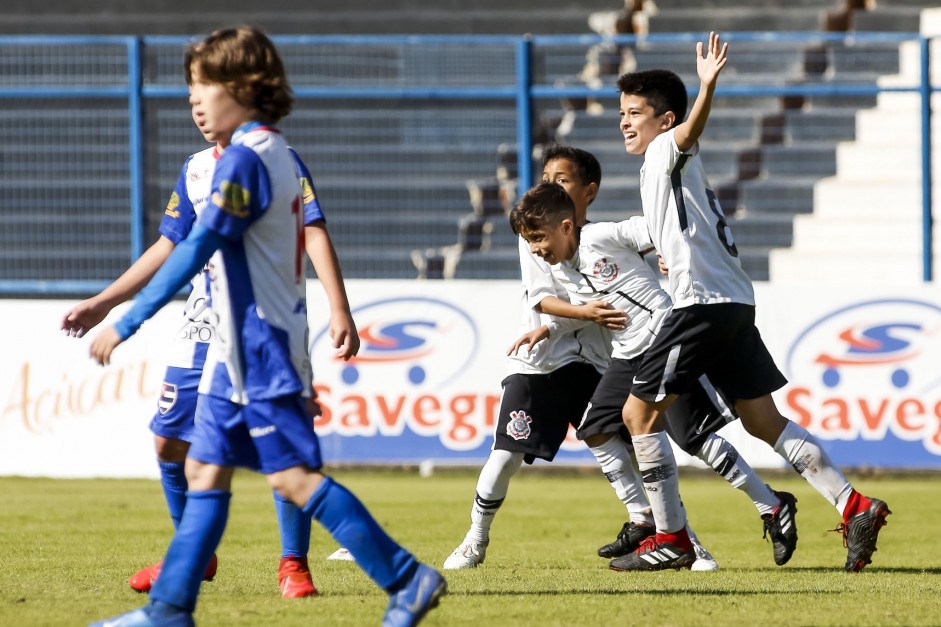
[[313, 407], [529, 340], [83, 317], [344, 335], [664, 270], [104, 344], [709, 65], [604, 313]]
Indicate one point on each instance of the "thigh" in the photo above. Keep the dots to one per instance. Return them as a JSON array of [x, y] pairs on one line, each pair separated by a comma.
[[691, 341], [536, 409], [607, 402]]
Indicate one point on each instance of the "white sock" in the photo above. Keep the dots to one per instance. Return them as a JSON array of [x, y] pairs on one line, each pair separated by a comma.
[[492, 486], [658, 469], [805, 454], [722, 457], [615, 460]]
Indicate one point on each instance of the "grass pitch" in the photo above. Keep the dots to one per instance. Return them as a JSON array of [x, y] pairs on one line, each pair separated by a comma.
[[67, 549]]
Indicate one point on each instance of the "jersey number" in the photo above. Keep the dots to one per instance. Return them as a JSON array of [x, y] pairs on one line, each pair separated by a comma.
[[722, 229]]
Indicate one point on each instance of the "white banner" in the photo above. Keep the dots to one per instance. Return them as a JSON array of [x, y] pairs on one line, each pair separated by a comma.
[[863, 368]]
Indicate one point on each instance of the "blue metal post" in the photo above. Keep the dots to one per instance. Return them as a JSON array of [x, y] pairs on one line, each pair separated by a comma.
[[926, 222], [524, 115], [135, 115]]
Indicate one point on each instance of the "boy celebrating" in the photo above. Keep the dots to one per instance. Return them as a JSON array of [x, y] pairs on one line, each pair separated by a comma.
[[548, 387], [711, 329], [603, 261], [251, 407]]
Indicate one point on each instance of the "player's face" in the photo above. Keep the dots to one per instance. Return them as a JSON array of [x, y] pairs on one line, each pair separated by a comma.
[[565, 173], [554, 244], [639, 124], [216, 113]]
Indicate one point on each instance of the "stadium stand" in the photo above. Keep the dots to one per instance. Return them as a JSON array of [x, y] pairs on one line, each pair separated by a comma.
[[442, 174]]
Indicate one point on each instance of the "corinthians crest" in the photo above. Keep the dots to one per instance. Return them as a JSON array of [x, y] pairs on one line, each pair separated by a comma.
[[606, 270], [518, 428]]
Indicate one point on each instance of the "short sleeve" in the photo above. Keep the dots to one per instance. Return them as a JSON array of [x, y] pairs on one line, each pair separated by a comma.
[[241, 193], [179, 216], [312, 210]]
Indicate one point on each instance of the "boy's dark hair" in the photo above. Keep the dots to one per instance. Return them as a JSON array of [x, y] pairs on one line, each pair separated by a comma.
[[589, 170], [663, 89], [247, 64], [546, 204]]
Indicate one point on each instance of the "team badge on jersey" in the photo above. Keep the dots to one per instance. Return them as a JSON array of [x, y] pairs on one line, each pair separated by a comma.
[[168, 396], [519, 426], [606, 270], [172, 205]]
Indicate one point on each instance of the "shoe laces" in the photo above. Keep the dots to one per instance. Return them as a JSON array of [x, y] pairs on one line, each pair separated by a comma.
[[647, 545], [469, 549], [844, 529]]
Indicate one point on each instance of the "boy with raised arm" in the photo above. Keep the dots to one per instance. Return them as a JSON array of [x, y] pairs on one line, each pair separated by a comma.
[[711, 329]]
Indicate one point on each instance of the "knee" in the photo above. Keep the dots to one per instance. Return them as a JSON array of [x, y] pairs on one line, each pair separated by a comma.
[[171, 449]]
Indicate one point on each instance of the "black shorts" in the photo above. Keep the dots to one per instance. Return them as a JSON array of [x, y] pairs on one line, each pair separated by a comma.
[[537, 409], [689, 420], [720, 341]]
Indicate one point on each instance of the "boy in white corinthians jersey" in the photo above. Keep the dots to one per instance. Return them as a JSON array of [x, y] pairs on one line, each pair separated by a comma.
[[251, 409], [548, 387], [604, 261], [711, 329]]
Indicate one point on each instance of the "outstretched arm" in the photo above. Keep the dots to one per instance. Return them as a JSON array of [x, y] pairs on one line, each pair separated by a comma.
[[185, 261], [324, 257], [84, 316], [708, 67]]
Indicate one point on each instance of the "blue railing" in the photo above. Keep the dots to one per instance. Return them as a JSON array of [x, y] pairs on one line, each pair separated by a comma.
[[144, 80]]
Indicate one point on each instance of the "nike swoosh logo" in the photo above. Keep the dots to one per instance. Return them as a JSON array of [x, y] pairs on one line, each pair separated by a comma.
[[422, 589]]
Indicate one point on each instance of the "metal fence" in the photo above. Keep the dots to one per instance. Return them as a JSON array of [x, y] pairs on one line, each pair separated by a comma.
[[409, 138]]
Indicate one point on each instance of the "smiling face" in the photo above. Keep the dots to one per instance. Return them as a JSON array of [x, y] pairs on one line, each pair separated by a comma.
[[639, 123], [565, 173], [215, 112], [554, 244]]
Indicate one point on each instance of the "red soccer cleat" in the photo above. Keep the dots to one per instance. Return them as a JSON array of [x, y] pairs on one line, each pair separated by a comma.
[[143, 580], [294, 578]]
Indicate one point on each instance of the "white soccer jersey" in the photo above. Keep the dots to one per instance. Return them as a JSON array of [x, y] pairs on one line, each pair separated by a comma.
[[569, 341], [187, 201], [608, 266], [689, 229], [256, 278]]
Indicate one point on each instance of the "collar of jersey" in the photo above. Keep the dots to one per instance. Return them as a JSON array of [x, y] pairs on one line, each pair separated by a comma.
[[248, 127]]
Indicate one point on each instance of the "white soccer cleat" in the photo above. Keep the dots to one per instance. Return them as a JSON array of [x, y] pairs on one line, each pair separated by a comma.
[[469, 555], [704, 560]]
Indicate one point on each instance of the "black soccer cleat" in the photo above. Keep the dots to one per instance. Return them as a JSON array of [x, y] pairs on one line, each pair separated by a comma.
[[860, 533], [781, 525], [628, 540], [655, 556]]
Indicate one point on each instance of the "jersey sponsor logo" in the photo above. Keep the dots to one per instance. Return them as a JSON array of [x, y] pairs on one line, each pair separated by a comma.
[[232, 198], [606, 270], [172, 205], [519, 427], [168, 395], [868, 372]]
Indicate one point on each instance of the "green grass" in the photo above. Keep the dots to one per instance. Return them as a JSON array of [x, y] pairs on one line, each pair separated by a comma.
[[68, 547]]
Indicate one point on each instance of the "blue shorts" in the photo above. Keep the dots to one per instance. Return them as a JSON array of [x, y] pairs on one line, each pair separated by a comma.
[[267, 436], [176, 408]]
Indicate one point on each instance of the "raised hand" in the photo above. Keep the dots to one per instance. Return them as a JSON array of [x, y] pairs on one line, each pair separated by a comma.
[[710, 63]]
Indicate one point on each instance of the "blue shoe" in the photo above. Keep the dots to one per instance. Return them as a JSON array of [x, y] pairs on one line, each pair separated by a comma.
[[410, 604], [153, 614]]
